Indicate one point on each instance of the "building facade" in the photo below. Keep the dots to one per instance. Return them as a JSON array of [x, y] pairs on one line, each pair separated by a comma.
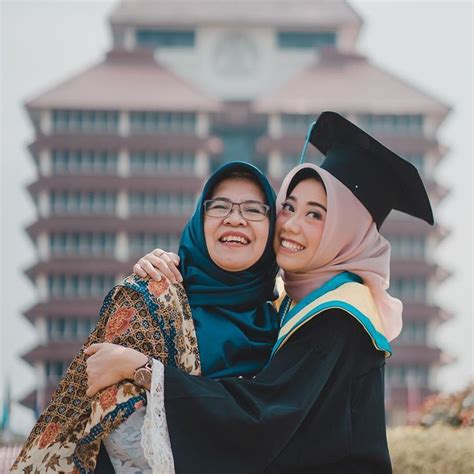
[[122, 149]]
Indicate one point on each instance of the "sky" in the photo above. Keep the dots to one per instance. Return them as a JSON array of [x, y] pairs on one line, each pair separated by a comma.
[[427, 43]]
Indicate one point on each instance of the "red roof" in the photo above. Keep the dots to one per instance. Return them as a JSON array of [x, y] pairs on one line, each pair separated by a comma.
[[348, 83], [125, 81], [57, 351], [284, 13]]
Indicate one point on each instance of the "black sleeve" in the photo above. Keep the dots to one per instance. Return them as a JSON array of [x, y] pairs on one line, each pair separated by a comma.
[[241, 426]]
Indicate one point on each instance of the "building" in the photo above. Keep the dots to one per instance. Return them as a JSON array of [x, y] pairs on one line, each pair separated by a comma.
[[122, 148]]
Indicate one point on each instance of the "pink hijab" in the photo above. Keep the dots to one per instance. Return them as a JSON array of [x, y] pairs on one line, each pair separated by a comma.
[[350, 242]]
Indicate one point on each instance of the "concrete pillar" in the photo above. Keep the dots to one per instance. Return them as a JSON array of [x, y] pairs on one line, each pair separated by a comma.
[[124, 123], [430, 126], [42, 244], [46, 122], [202, 164], [42, 287], [42, 330], [202, 125], [129, 39], [121, 246], [124, 163], [45, 164], [275, 165], [122, 204], [274, 126], [43, 204]]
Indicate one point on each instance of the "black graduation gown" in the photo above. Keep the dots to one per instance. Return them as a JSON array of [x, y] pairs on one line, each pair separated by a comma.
[[318, 407]]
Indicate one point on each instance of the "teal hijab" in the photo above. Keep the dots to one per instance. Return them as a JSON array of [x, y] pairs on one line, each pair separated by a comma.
[[236, 324]]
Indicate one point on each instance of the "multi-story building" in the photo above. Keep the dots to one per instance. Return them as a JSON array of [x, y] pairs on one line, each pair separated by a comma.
[[122, 148]]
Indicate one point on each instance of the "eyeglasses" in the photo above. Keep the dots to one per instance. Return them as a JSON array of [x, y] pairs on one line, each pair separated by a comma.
[[249, 210]]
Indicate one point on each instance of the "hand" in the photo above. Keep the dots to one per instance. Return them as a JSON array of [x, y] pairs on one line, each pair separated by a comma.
[[166, 262], [109, 364]]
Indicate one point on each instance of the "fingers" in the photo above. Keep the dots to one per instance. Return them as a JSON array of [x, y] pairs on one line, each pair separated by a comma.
[[138, 270], [157, 252], [158, 263], [165, 266], [170, 267], [91, 391], [93, 348], [174, 257], [160, 252], [149, 264]]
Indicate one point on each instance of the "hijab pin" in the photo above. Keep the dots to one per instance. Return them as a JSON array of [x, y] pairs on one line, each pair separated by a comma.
[[308, 135]]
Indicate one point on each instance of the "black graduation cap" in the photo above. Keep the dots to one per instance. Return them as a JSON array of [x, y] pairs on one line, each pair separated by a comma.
[[378, 177]]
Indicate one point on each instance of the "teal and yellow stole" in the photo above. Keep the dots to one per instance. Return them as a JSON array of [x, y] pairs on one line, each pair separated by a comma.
[[344, 291]]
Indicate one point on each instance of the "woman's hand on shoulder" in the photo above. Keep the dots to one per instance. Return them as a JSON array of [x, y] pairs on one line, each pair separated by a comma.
[[110, 363], [158, 263]]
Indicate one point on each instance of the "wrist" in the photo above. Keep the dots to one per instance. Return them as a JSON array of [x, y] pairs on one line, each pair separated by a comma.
[[134, 359]]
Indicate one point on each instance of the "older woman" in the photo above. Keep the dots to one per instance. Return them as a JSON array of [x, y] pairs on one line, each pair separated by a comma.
[[318, 406], [228, 328]]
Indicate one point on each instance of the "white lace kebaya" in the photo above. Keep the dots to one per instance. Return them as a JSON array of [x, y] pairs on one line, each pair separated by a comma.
[[152, 454], [155, 436]]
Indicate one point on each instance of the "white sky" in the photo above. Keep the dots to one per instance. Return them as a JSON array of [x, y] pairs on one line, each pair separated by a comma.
[[42, 43]]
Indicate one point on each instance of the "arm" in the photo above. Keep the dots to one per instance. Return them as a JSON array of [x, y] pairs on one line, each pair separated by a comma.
[[238, 425], [110, 363]]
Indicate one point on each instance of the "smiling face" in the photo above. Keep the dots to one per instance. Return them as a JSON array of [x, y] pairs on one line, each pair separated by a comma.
[[300, 225], [233, 243]]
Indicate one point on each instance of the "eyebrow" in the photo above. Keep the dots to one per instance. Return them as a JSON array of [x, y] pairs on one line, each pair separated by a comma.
[[309, 203], [228, 200]]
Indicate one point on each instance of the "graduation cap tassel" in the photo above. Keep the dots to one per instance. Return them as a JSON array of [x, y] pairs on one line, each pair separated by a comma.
[[308, 135]]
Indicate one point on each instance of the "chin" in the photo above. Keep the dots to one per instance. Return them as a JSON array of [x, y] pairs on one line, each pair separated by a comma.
[[237, 266], [289, 263]]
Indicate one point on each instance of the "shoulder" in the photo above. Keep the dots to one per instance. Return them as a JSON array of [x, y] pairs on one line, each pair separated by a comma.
[[335, 329]]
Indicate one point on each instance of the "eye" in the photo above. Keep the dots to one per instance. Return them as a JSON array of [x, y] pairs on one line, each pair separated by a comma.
[[286, 206], [315, 215], [254, 210], [217, 204]]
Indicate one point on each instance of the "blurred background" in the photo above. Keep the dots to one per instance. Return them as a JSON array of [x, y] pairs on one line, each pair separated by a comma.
[[113, 113]]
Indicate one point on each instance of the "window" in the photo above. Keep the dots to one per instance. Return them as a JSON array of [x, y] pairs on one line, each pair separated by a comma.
[[84, 162], [405, 247], [145, 163], [69, 328], [296, 124], [163, 122], [161, 203], [142, 243], [305, 39], [409, 289], [79, 286], [82, 244], [82, 202], [165, 38], [414, 333], [95, 121], [55, 370], [392, 124], [404, 375]]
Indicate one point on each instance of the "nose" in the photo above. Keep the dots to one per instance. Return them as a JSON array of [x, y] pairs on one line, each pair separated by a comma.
[[235, 217], [292, 224]]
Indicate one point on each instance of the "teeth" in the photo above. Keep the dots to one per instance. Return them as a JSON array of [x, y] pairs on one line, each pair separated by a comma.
[[291, 246], [235, 238]]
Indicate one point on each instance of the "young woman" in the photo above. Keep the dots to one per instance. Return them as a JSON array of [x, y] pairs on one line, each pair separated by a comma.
[[318, 406], [228, 328]]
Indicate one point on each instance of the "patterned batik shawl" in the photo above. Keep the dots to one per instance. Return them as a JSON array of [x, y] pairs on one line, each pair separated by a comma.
[[151, 317]]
